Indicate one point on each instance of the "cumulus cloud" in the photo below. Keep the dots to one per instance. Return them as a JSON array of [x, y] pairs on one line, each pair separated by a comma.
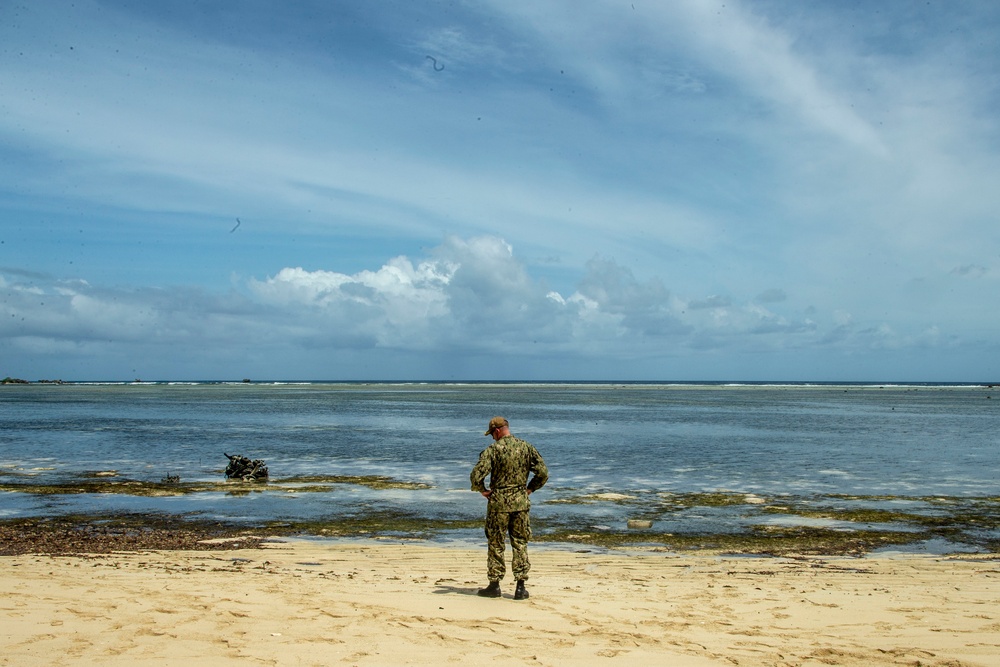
[[397, 300], [470, 298]]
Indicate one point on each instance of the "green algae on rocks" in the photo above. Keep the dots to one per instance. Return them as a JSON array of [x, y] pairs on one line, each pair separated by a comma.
[[763, 541], [106, 483]]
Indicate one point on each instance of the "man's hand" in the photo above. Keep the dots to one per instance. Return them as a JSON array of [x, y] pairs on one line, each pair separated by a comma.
[[486, 494]]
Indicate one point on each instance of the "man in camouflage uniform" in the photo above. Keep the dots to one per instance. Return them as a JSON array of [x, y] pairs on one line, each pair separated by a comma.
[[508, 461]]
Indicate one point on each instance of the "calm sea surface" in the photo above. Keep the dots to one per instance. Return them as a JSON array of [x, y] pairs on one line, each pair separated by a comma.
[[601, 442]]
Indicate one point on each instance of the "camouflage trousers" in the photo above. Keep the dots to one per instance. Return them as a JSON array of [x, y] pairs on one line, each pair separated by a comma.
[[498, 526]]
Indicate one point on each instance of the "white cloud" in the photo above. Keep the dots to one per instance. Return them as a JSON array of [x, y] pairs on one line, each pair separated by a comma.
[[696, 175], [762, 58], [621, 53], [468, 298]]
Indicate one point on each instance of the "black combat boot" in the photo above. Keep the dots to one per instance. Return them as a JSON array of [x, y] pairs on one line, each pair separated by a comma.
[[520, 593], [491, 591]]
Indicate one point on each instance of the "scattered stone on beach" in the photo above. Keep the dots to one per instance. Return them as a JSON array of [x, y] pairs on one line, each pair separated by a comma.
[[241, 467], [640, 523], [751, 499]]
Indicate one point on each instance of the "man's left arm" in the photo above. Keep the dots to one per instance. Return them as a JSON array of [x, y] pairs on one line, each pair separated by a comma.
[[479, 473], [540, 470]]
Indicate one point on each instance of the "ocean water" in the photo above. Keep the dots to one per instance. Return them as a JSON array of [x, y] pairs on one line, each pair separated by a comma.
[[613, 450]]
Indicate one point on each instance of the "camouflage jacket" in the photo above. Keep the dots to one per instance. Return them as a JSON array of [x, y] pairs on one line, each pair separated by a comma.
[[508, 462]]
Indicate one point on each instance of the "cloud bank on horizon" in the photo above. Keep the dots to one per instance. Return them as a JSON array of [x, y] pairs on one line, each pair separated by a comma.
[[509, 190]]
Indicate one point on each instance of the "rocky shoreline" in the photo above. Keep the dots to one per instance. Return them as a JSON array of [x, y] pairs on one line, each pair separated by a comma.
[[88, 535], [10, 380]]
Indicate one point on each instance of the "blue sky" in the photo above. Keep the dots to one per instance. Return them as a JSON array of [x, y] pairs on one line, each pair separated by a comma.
[[684, 190]]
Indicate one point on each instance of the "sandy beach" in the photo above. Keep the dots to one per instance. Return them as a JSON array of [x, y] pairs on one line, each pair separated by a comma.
[[379, 603]]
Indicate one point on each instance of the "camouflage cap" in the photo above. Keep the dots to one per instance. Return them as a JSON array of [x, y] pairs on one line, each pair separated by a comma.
[[495, 423]]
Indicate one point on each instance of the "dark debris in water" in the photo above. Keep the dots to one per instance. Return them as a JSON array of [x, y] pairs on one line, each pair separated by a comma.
[[749, 524], [140, 532], [374, 524], [371, 481], [144, 532], [968, 514], [90, 535], [762, 542], [826, 524], [109, 482]]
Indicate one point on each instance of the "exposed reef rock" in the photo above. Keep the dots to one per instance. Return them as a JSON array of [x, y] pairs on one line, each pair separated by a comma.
[[240, 467]]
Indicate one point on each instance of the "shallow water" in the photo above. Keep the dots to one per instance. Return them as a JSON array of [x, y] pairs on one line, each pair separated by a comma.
[[787, 444]]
